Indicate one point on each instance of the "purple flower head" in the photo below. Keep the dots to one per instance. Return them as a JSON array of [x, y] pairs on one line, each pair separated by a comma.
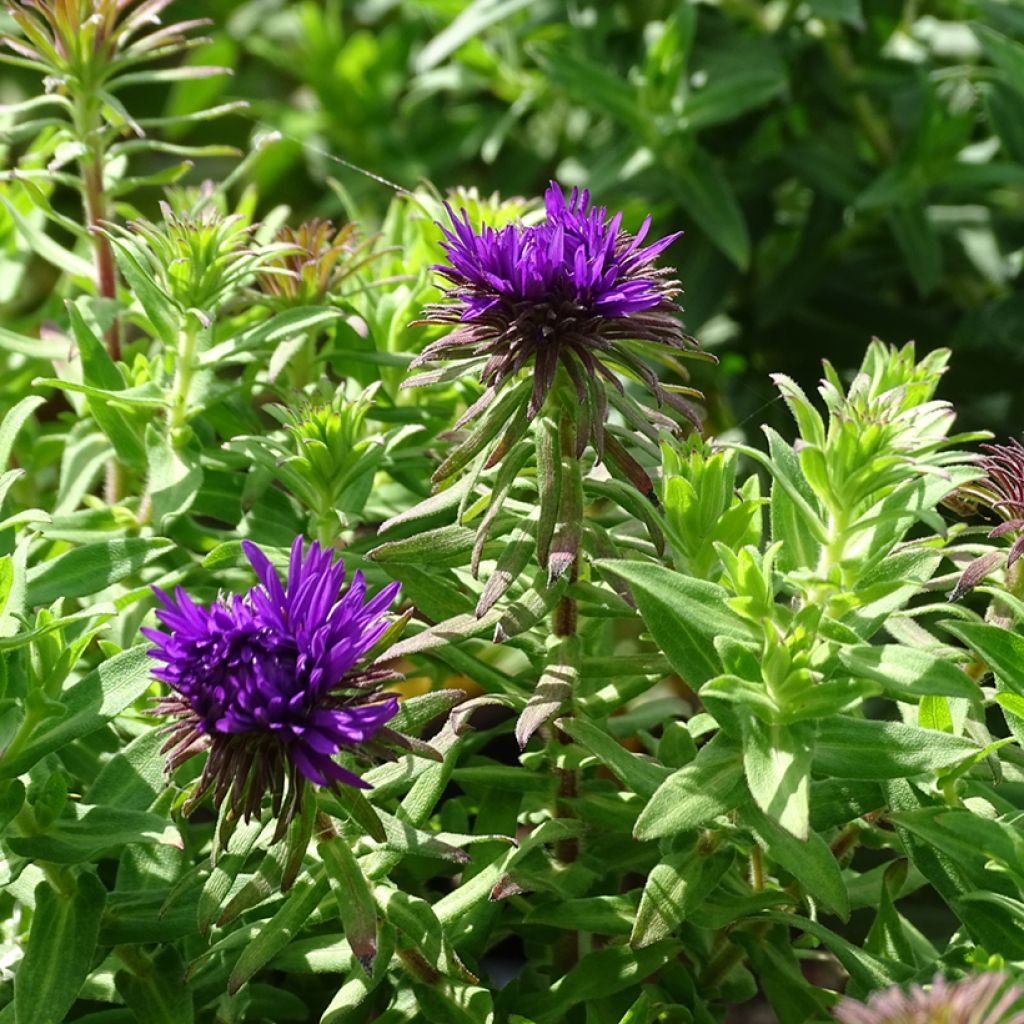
[[273, 684], [570, 293], [988, 998]]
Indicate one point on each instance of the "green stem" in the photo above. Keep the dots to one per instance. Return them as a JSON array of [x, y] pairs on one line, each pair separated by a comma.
[[831, 556], [177, 417]]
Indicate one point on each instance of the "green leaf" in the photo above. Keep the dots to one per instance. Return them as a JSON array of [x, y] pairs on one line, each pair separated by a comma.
[[100, 371], [598, 976], [809, 861], [887, 937], [158, 307], [469, 23], [684, 615], [909, 672], [605, 915], [159, 995], [419, 927], [594, 85], [793, 999], [852, 748], [1002, 649], [12, 423], [59, 953], [867, 973], [675, 889], [640, 775], [708, 198], [777, 762], [710, 785], [92, 568], [1005, 53], [276, 933], [84, 832], [33, 348], [175, 477], [88, 705], [289, 323], [355, 901], [147, 397], [44, 246], [134, 777]]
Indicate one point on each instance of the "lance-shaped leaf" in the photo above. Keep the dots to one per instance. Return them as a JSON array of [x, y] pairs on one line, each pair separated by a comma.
[[684, 615], [421, 931], [92, 567], [568, 533], [83, 832], [276, 933], [809, 861], [99, 370], [529, 608], [642, 776], [355, 902], [549, 485], [908, 672], [777, 762], [675, 889], [503, 485], [555, 687], [450, 545], [1002, 649], [222, 877], [59, 953], [856, 748], [12, 423], [710, 785], [510, 565], [175, 477], [484, 431]]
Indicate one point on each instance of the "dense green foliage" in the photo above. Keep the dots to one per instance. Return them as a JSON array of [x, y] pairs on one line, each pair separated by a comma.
[[694, 729]]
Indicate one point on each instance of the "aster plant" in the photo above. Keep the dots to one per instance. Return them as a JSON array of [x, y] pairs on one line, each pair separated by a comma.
[[700, 729], [274, 684]]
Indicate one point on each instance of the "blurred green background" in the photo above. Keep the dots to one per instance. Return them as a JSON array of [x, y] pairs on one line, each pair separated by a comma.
[[841, 168]]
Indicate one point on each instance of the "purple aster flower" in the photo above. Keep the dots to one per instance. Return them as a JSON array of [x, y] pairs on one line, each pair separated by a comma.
[[983, 999], [572, 292], [274, 684], [1001, 490]]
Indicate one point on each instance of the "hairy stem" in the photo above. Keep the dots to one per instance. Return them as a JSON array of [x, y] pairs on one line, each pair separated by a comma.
[[178, 414]]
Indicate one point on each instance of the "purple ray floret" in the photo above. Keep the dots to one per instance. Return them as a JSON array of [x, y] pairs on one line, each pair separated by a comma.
[[271, 683]]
